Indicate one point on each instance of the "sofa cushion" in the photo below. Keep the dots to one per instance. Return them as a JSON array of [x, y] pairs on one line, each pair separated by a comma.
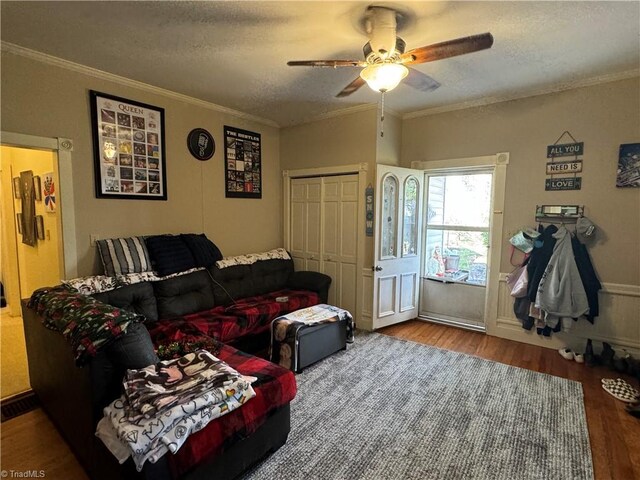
[[270, 275], [139, 298], [134, 349], [123, 255], [232, 283], [169, 254], [184, 295], [204, 251]]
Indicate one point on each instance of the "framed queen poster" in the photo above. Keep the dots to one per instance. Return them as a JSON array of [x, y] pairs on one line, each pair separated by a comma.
[[129, 148]]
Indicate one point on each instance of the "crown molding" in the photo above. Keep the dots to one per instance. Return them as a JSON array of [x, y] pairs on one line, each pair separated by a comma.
[[347, 111], [612, 77], [94, 72]]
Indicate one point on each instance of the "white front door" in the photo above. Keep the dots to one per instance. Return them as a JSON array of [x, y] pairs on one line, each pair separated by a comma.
[[396, 269]]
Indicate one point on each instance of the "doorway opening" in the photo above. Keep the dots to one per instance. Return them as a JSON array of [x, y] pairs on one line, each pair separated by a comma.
[[32, 248], [457, 229]]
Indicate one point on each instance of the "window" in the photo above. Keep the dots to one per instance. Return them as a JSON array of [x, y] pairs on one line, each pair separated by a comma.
[[457, 234]]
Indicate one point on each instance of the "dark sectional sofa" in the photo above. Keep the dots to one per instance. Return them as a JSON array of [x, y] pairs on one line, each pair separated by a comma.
[[234, 305]]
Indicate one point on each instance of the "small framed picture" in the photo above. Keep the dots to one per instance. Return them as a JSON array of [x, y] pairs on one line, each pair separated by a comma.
[[39, 227], [17, 188], [37, 188], [19, 222]]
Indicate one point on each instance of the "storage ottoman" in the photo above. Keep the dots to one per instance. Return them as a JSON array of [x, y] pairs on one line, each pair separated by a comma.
[[306, 336]]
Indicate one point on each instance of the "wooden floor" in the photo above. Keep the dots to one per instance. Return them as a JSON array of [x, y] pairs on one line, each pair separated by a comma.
[[30, 442]]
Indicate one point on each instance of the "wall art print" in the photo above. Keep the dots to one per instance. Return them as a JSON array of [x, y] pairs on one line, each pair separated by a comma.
[[243, 163], [129, 148], [49, 187], [629, 165]]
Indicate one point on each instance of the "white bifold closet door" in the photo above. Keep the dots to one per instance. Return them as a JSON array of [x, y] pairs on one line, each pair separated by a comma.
[[324, 220]]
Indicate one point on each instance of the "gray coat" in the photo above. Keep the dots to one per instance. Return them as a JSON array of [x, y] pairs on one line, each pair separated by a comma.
[[561, 292]]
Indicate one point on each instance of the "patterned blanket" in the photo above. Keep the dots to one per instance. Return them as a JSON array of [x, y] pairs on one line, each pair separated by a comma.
[[250, 315], [285, 329], [87, 324], [147, 439], [274, 388], [152, 390]]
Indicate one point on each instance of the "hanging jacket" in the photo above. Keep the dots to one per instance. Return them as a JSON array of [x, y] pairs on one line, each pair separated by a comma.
[[588, 276], [560, 292], [539, 259]]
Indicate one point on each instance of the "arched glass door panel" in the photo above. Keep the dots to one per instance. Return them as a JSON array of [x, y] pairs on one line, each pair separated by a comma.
[[410, 217], [389, 226]]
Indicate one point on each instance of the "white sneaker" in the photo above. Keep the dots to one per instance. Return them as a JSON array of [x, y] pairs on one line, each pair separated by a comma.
[[566, 353], [578, 357]]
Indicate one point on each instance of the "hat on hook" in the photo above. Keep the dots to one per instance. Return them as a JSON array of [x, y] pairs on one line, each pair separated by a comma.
[[585, 229]]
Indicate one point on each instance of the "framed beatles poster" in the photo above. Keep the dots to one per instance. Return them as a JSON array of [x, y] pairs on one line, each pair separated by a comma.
[[129, 151], [243, 163]]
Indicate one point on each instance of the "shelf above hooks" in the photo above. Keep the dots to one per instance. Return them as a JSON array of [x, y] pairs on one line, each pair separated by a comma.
[[559, 212]]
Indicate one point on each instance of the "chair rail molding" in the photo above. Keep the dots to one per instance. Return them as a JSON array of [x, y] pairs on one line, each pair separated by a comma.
[[616, 324]]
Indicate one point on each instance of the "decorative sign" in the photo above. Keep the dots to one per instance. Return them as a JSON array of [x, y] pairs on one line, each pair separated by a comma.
[[566, 183], [629, 166], [368, 202], [566, 150], [564, 167], [129, 151], [201, 144], [49, 192], [243, 163]]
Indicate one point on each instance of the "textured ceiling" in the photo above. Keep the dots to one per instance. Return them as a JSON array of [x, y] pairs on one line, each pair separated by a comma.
[[234, 54]]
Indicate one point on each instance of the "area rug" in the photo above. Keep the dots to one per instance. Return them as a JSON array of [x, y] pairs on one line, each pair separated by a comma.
[[392, 409]]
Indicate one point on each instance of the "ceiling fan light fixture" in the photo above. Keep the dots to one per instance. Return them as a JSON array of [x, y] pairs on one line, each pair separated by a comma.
[[384, 77]]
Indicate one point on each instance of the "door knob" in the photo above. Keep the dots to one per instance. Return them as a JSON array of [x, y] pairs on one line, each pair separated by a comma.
[[377, 268]]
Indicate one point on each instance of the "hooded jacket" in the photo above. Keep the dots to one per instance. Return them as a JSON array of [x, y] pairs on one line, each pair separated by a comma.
[[560, 291]]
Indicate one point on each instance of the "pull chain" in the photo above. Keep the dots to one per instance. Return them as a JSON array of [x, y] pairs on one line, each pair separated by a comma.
[[382, 116]]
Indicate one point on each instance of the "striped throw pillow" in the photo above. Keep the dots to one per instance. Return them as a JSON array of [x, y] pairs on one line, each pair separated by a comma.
[[124, 255]]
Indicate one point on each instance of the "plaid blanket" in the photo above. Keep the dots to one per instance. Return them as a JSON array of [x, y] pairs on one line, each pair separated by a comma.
[[274, 388], [248, 316], [86, 323]]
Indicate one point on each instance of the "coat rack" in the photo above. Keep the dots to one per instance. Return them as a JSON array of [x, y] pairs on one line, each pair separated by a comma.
[[563, 213]]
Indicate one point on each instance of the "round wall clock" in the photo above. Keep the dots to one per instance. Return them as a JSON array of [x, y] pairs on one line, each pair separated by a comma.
[[201, 144]]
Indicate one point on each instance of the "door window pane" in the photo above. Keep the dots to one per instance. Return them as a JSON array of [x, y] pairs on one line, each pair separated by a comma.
[[389, 214], [460, 200], [410, 220], [457, 255]]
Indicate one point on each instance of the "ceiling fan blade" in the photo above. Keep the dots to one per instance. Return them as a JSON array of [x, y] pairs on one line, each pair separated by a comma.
[[326, 63], [451, 48], [420, 81], [352, 87]]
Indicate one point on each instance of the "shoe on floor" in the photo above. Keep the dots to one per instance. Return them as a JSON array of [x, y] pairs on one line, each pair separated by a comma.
[[566, 353], [578, 357], [621, 391]]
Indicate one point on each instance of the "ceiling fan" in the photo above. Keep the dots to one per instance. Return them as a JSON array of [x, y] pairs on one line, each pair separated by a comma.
[[386, 62]]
